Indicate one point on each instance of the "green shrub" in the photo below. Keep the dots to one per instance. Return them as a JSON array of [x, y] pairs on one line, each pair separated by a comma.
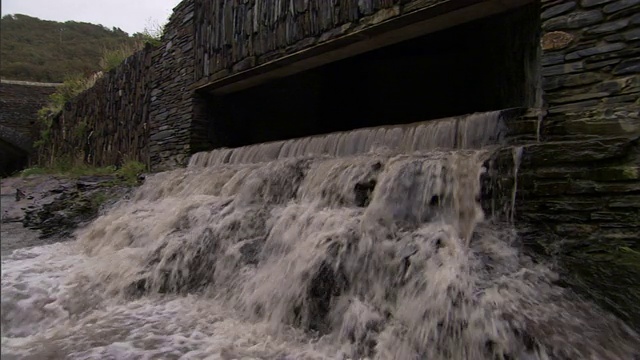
[[112, 58], [130, 171], [64, 93]]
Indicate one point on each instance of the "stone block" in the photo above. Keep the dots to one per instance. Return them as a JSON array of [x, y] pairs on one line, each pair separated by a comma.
[[574, 20], [575, 230], [573, 80], [558, 10], [572, 108], [562, 69], [608, 27], [590, 3], [624, 53], [632, 35], [623, 202], [603, 127], [611, 188], [579, 97], [619, 5], [161, 135], [630, 66], [601, 49], [556, 40], [620, 217], [601, 64], [622, 99], [575, 152], [552, 59]]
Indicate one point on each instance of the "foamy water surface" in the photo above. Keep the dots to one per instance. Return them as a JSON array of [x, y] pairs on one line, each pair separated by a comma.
[[42, 318]]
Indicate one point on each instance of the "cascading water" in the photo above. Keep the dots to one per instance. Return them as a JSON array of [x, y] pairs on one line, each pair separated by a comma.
[[271, 254]]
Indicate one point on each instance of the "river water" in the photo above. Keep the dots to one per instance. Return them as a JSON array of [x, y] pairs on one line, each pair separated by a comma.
[[305, 254]]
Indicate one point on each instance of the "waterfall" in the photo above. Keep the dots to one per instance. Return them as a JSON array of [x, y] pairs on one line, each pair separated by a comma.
[[463, 132], [363, 244]]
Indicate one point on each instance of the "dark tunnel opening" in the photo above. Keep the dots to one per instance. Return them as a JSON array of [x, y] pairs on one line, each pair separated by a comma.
[[483, 65]]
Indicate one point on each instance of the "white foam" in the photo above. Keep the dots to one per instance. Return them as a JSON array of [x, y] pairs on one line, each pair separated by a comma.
[[371, 255], [40, 319]]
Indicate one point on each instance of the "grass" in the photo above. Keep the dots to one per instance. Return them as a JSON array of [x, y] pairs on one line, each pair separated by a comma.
[[127, 174], [98, 199]]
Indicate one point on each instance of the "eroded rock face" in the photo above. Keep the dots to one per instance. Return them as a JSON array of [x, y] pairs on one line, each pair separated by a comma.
[[55, 206]]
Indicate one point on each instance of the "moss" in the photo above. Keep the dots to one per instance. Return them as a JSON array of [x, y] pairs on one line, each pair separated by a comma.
[[631, 173], [127, 174], [97, 199]]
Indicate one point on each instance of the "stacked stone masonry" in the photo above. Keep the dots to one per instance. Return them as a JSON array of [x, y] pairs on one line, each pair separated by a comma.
[[171, 102], [579, 182], [232, 36], [107, 124]]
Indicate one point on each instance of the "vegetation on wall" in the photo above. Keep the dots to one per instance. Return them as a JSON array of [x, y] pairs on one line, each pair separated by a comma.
[[111, 58], [71, 87], [75, 84], [48, 51]]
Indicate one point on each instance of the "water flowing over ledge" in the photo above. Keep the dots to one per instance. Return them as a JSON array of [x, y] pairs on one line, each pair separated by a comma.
[[375, 255], [463, 132]]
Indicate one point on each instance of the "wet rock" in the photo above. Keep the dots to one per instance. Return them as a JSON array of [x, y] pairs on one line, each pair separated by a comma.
[[574, 20], [562, 69], [573, 80], [590, 3], [250, 251], [557, 10], [552, 59], [64, 209], [325, 285], [363, 192], [619, 5], [575, 151], [20, 194], [630, 66], [595, 51], [608, 27]]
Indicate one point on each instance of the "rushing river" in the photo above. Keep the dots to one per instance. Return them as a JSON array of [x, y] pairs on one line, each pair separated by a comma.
[[334, 253]]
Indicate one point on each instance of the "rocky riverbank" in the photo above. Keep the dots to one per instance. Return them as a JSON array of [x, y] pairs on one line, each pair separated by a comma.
[[46, 208]]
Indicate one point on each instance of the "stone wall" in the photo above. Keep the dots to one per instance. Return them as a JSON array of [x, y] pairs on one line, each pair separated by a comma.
[[19, 104], [142, 110], [108, 123], [172, 102], [232, 36], [19, 128], [578, 194]]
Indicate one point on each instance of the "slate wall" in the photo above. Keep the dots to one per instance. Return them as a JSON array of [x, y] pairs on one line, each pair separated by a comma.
[[232, 36], [172, 102], [108, 123], [578, 190]]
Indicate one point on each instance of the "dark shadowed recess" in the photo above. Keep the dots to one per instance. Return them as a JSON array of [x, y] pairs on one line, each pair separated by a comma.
[[12, 158], [483, 65]]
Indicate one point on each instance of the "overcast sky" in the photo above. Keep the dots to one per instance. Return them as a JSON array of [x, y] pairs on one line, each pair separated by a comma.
[[129, 15]]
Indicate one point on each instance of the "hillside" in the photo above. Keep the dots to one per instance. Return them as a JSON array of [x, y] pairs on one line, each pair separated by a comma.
[[48, 51]]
